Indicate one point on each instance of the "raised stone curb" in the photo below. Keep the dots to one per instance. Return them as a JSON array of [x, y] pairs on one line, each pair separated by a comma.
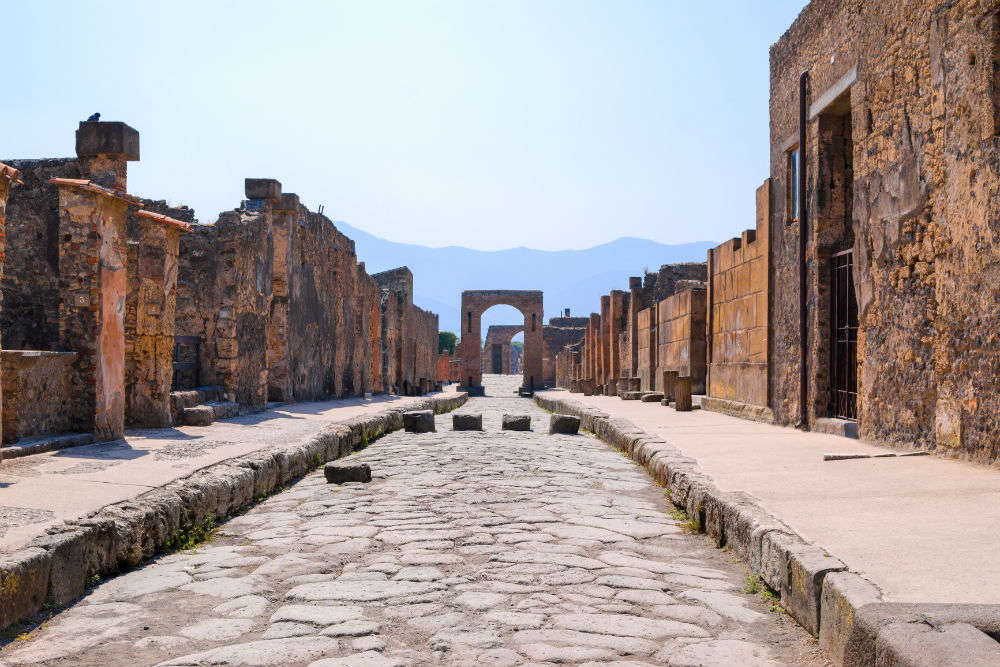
[[55, 567], [755, 413], [854, 625]]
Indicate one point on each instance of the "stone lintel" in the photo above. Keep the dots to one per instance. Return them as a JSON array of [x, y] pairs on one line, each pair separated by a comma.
[[167, 220], [90, 186], [100, 138], [8, 173], [262, 188]]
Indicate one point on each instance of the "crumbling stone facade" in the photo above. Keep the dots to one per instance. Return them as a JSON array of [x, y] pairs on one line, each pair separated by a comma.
[[8, 178], [900, 161], [556, 335], [409, 335], [117, 301]]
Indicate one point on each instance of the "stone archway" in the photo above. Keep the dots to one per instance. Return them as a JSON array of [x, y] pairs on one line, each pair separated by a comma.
[[499, 336], [474, 303]]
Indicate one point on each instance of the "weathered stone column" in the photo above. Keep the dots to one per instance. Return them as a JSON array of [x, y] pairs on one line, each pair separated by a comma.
[[8, 176], [105, 149], [92, 267], [634, 286], [149, 321], [284, 211]]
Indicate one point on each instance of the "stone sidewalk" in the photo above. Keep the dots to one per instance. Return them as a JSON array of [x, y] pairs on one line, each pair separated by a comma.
[[924, 529], [485, 548], [44, 490]]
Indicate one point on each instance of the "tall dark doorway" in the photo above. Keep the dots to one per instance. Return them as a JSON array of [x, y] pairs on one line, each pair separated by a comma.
[[843, 337], [496, 358]]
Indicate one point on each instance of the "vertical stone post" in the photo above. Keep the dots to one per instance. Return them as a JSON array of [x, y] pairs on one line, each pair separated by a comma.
[[616, 309], [531, 358], [105, 149], [284, 211], [634, 286], [92, 266], [682, 394], [605, 356], [8, 177], [669, 380], [594, 347], [151, 301]]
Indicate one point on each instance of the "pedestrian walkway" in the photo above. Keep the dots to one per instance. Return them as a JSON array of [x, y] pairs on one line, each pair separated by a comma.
[[924, 529], [494, 548], [42, 490]]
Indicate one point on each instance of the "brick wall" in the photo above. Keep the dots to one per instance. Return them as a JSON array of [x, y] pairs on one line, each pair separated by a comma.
[[681, 337], [738, 286]]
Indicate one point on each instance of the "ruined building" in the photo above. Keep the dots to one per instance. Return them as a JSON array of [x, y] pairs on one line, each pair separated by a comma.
[[877, 227], [865, 300], [656, 326], [121, 310]]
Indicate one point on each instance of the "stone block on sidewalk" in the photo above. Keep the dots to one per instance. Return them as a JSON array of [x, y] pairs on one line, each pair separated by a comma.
[[651, 397], [418, 421], [682, 394], [516, 423], [631, 395], [198, 415], [567, 424], [338, 473], [467, 422]]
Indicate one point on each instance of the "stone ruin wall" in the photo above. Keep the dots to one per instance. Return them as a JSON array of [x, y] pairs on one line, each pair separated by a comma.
[[29, 319], [926, 192], [316, 322], [739, 289], [554, 339], [680, 337], [273, 293], [410, 333]]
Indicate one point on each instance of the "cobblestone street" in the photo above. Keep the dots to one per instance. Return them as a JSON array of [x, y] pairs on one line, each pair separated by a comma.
[[496, 548]]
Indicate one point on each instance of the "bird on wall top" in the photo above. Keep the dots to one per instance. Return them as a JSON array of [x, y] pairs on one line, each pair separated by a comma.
[[94, 118]]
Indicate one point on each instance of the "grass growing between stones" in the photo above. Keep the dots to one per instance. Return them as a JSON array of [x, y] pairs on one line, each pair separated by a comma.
[[191, 536], [689, 524]]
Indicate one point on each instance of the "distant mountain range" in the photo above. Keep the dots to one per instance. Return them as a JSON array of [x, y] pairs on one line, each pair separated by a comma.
[[573, 279]]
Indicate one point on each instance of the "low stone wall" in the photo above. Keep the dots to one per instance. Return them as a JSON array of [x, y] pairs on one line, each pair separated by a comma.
[[844, 610], [37, 388], [56, 567]]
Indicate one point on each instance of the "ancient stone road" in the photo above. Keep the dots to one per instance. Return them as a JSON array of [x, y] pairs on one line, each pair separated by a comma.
[[493, 548]]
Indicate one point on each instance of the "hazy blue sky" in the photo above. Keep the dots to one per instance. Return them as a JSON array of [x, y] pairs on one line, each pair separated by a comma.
[[547, 123]]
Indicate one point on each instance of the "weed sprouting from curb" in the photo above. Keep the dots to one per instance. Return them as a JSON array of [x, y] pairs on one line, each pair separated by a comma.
[[191, 536]]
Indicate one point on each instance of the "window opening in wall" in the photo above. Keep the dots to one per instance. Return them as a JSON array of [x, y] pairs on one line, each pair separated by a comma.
[[532, 321], [844, 334], [793, 185], [469, 317]]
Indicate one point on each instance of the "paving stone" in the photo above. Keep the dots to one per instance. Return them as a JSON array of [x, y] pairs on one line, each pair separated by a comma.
[[259, 653], [522, 549]]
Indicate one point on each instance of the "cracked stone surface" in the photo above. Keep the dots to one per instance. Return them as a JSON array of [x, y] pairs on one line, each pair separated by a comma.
[[499, 548]]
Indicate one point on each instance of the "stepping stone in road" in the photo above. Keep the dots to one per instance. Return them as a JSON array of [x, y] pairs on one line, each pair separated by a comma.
[[516, 422], [467, 422], [418, 421], [567, 424], [338, 473]]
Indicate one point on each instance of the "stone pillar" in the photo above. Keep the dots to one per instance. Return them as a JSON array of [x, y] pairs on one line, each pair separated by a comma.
[[605, 356], [634, 286], [669, 380], [92, 267], [682, 394], [616, 309], [284, 211], [105, 149], [149, 320], [594, 347], [531, 358], [8, 177]]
